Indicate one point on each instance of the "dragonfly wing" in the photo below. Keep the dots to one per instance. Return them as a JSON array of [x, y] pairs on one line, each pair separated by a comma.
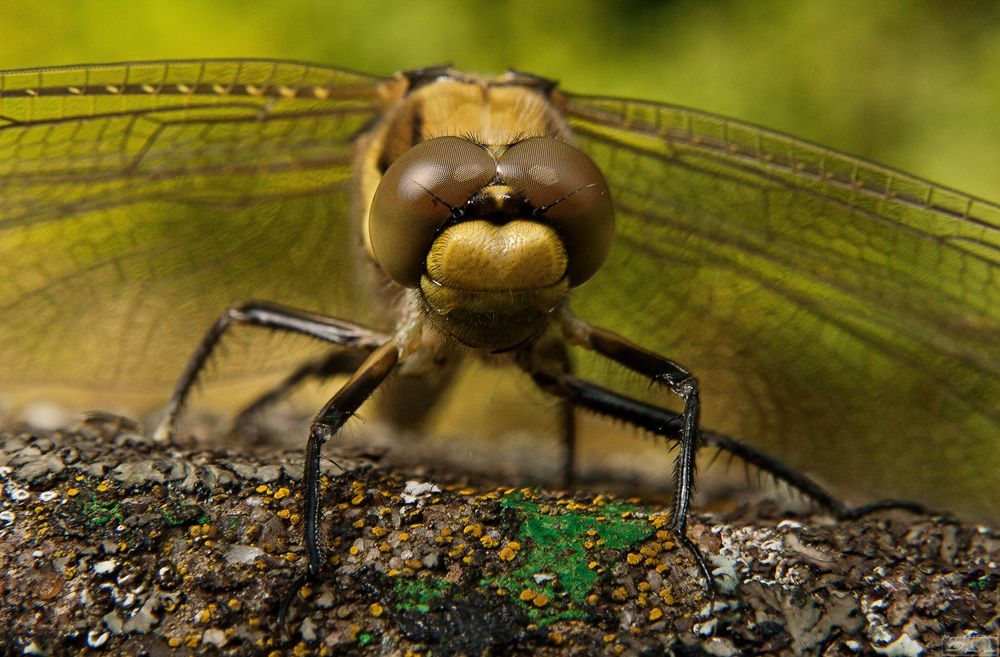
[[842, 315], [137, 201]]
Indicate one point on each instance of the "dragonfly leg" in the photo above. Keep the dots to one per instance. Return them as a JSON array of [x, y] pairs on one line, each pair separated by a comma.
[[568, 438], [553, 355], [338, 410], [602, 401], [335, 363], [379, 364], [797, 480], [266, 315], [668, 424], [679, 381]]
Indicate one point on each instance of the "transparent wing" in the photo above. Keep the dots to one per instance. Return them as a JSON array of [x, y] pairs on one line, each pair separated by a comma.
[[138, 200], [843, 315]]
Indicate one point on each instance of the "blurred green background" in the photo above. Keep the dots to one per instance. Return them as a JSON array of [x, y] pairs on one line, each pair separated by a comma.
[[912, 84]]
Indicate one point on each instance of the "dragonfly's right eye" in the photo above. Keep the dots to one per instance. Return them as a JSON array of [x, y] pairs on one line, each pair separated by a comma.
[[417, 195]]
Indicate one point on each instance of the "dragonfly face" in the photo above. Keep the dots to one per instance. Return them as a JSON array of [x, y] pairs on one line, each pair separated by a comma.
[[493, 233], [841, 314]]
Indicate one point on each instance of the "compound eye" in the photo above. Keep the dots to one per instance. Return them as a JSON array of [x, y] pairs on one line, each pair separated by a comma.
[[568, 193], [417, 195]]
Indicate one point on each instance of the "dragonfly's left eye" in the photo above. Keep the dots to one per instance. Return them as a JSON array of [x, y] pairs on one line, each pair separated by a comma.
[[569, 194], [417, 195]]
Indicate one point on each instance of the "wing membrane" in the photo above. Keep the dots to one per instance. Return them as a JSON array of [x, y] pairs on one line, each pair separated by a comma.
[[843, 314], [138, 200]]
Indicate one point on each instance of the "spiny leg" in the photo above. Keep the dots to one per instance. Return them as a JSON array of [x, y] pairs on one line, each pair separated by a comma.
[[801, 483], [668, 424], [266, 315], [679, 381], [336, 363], [334, 414]]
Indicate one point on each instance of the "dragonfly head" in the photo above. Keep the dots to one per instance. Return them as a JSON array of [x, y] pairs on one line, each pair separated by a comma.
[[492, 237]]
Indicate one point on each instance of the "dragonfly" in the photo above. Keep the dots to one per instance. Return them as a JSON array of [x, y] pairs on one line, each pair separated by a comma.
[[841, 314]]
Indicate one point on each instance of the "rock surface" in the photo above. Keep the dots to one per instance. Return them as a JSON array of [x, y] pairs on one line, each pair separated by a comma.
[[111, 544]]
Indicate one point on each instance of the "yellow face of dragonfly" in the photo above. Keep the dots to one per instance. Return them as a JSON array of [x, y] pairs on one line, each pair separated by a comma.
[[842, 315], [492, 216]]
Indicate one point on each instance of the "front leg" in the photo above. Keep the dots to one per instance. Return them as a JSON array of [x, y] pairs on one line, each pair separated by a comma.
[[328, 421], [679, 381]]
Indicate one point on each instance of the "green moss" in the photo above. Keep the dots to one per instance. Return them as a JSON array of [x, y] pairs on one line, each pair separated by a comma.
[[176, 515], [984, 583], [554, 544], [418, 594], [97, 512]]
